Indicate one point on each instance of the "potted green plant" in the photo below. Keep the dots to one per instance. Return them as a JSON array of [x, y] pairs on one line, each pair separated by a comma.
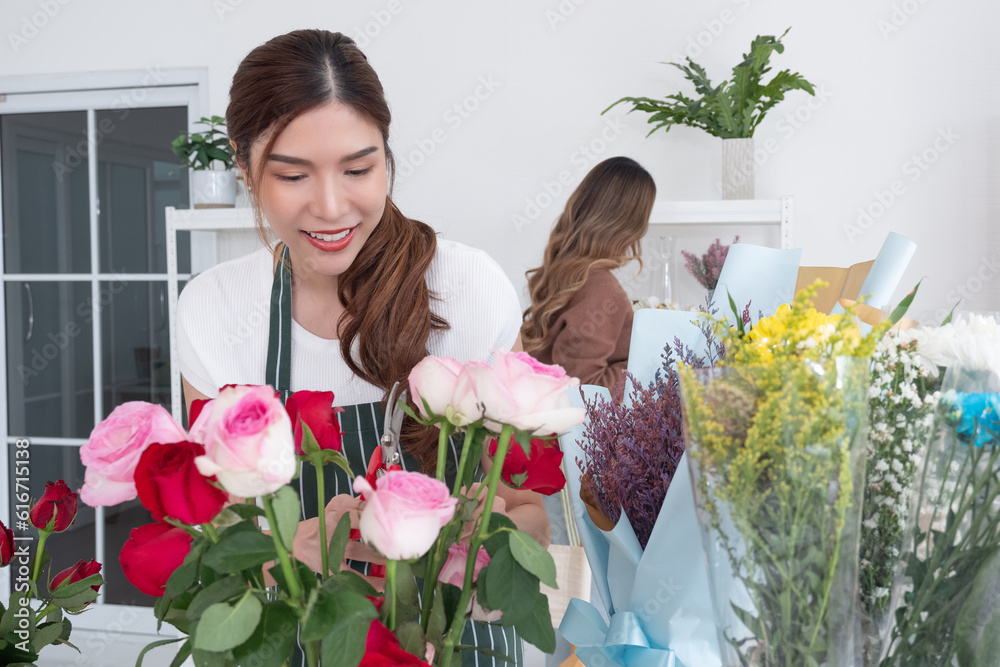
[[211, 160], [731, 110]]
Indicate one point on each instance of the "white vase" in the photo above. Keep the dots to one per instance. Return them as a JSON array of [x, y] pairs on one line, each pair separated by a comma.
[[738, 168], [212, 188]]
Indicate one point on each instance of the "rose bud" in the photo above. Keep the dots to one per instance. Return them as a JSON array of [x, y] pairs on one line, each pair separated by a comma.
[[55, 510], [6, 545], [315, 410], [170, 485], [433, 381], [405, 513], [75, 573], [152, 553], [541, 472]]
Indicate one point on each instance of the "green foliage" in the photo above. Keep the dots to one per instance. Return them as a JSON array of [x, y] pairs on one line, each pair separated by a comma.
[[202, 150], [732, 109]]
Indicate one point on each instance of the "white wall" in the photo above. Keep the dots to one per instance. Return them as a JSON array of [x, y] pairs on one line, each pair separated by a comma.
[[896, 76]]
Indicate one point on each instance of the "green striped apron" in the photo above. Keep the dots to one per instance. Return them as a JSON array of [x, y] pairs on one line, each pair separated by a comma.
[[362, 430]]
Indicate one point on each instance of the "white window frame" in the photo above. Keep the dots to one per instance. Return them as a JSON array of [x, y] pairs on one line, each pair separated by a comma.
[[76, 92]]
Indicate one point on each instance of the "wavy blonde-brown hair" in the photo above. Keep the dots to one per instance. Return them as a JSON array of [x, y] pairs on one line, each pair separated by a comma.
[[384, 292], [601, 227]]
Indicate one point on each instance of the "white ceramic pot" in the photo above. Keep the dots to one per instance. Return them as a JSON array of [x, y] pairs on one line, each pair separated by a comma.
[[738, 169], [212, 188]]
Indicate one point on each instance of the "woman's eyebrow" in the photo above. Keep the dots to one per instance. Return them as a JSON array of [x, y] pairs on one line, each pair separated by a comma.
[[288, 159]]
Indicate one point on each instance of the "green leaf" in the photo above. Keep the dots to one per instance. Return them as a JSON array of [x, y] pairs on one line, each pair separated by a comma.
[[947, 320], [184, 576], [339, 539], [156, 644], [46, 633], [309, 444], [337, 459], [210, 658], [245, 510], [345, 644], [899, 311], [69, 590], [223, 627], [523, 438], [499, 526], [533, 557], [76, 601], [241, 550], [220, 591], [9, 622], [272, 642], [507, 586], [412, 639], [183, 654], [536, 626], [287, 513]]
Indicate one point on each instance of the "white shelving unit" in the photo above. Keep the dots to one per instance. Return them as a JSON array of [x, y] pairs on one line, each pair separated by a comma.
[[728, 212], [218, 234]]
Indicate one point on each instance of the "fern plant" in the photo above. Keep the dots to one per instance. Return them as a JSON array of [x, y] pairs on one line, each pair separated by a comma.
[[732, 109]]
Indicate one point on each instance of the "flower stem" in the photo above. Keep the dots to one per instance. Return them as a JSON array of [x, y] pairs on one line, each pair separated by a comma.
[[463, 460], [36, 568], [324, 547], [291, 577], [209, 530], [390, 584], [447, 428], [454, 634], [311, 658]]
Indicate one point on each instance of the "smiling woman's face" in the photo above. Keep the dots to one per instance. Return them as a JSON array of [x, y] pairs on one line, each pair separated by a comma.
[[323, 188]]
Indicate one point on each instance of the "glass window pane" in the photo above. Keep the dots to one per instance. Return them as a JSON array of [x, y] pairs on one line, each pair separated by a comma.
[[48, 464], [50, 371], [138, 176], [136, 343], [46, 207]]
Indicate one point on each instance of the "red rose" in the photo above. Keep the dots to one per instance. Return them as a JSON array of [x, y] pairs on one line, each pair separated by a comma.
[[542, 472], [75, 573], [56, 509], [315, 409], [152, 553], [170, 485], [382, 649], [196, 406], [6, 545]]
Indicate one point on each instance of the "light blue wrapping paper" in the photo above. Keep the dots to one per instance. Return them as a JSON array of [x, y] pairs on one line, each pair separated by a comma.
[[659, 601], [763, 277]]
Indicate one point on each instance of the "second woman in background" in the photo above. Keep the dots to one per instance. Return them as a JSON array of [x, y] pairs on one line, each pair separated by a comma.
[[580, 317]]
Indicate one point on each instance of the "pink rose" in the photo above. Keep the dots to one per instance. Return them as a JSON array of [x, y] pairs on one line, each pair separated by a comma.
[[248, 441], [115, 446], [521, 391], [453, 573], [433, 380], [405, 513]]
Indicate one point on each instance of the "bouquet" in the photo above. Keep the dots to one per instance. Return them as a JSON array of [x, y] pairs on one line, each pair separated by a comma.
[[901, 409], [632, 501], [775, 440], [206, 561], [36, 615], [949, 565]]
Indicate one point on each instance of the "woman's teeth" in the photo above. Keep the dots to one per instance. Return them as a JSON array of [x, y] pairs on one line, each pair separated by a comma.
[[330, 237]]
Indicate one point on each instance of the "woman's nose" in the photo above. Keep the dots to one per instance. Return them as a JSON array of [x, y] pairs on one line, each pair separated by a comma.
[[330, 200]]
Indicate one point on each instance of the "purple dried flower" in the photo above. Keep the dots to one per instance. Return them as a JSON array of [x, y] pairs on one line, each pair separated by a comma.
[[707, 269], [632, 448]]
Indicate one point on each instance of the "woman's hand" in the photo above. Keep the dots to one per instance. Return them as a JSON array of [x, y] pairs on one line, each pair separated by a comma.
[[306, 543]]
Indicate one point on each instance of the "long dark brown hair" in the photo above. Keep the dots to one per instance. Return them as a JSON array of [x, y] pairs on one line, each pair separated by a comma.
[[601, 227], [384, 292]]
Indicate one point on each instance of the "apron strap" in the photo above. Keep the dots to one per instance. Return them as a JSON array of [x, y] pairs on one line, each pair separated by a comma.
[[279, 342]]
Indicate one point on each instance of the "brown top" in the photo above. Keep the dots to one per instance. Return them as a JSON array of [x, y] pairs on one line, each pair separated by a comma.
[[590, 336]]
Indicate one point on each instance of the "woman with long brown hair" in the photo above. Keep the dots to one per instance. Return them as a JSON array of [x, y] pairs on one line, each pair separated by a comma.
[[580, 317], [355, 293]]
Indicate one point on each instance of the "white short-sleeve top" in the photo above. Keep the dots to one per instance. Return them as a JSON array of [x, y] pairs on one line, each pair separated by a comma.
[[223, 324]]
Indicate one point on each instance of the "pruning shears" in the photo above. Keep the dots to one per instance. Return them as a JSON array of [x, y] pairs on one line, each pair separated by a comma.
[[388, 456]]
